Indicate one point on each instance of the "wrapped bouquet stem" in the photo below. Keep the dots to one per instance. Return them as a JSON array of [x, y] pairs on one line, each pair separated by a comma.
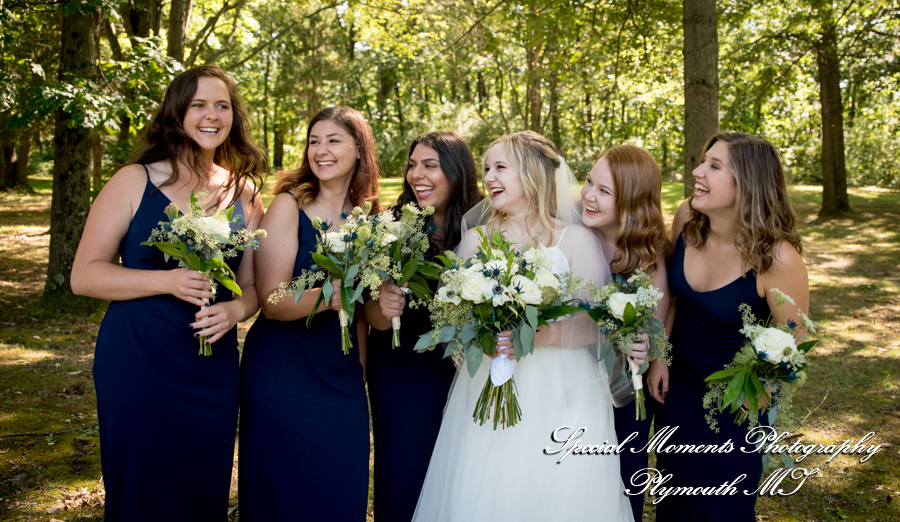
[[626, 311]]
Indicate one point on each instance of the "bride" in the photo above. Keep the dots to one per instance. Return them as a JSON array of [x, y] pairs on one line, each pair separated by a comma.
[[522, 472]]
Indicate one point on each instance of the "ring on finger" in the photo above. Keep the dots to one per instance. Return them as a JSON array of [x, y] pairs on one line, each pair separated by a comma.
[[218, 328]]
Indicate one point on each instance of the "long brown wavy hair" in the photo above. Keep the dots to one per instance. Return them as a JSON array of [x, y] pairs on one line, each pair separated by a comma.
[[167, 140], [642, 240], [304, 185], [762, 208]]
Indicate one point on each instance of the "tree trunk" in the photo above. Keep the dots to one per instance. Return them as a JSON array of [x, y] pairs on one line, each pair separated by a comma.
[[71, 159], [96, 161], [24, 158], [278, 157], [553, 112], [179, 14], [7, 162], [834, 169], [701, 82]]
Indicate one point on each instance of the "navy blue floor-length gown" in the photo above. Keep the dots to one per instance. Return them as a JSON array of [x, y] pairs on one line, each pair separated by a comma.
[[408, 391], [304, 437], [167, 415], [705, 337]]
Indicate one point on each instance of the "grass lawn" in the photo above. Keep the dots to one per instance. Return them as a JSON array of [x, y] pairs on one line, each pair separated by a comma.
[[49, 448]]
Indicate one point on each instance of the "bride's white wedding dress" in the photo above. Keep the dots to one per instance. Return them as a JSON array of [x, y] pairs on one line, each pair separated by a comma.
[[479, 474]]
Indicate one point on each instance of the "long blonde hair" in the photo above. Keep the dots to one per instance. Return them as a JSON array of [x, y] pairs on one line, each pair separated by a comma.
[[536, 159], [762, 208]]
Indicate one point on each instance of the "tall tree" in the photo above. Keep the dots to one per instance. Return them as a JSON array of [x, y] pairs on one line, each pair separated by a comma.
[[701, 82], [72, 155], [179, 14], [834, 169]]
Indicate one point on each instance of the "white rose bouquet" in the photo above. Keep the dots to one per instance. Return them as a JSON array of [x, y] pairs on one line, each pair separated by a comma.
[[626, 310], [497, 289], [773, 357], [340, 254], [202, 243], [404, 243]]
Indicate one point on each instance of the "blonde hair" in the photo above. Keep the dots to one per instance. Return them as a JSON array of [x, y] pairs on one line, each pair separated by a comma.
[[641, 240], [762, 208], [535, 159]]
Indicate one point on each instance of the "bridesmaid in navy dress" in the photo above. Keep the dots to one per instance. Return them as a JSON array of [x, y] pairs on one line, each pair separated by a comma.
[[168, 415], [622, 204], [304, 437], [402, 382], [735, 241]]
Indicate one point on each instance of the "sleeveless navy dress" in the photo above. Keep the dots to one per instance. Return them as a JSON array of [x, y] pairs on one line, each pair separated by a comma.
[[304, 435], [167, 415], [705, 337], [408, 391]]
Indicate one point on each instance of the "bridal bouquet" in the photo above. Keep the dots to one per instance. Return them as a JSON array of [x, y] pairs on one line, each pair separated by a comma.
[[202, 243], [627, 310], [341, 254], [404, 243], [773, 357], [497, 289]]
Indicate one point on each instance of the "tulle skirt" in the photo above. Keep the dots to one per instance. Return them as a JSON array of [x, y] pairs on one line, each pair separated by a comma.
[[477, 473]]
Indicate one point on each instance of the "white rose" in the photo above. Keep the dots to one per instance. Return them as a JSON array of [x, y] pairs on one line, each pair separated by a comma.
[[546, 279], [215, 225], [388, 239], [335, 241], [445, 295], [528, 291], [617, 302], [471, 288], [774, 344]]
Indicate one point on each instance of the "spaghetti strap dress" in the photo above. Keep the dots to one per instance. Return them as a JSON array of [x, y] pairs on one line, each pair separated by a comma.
[[705, 337], [304, 429], [403, 382], [167, 415]]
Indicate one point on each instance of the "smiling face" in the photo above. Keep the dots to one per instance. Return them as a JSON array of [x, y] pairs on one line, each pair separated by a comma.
[[425, 176], [332, 151], [714, 182], [503, 182], [208, 118], [599, 197]]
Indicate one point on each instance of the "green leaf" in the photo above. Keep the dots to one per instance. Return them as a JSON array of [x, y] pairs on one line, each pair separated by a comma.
[[629, 316], [357, 295], [429, 271], [324, 262], [327, 291], [722, 375], [488, 341], [420, 291], [734, 388], [531, 315], [408, 270], [804, 347], [350, 275], [227, 282], [555, 312], [526, 337], [469, 332], [473, 358]]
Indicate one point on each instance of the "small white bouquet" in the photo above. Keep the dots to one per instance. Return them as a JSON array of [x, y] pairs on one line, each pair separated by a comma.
[[403, 243], [626, 310], [497, 289], [202, 243], [341, 254], [773, 357]]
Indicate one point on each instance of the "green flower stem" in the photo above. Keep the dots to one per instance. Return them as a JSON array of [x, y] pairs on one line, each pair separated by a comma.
[[346, 343], [499, 403]]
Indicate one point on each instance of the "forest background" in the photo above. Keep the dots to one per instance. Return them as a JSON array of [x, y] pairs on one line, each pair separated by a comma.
[[79, 80]]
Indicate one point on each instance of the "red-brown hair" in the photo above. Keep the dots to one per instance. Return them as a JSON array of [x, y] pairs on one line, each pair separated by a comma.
[[642, 240]]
